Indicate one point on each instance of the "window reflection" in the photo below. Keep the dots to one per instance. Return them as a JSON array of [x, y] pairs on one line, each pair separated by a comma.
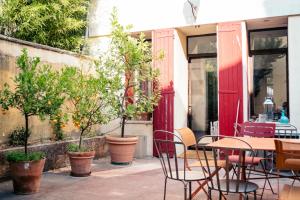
[[268, 70]]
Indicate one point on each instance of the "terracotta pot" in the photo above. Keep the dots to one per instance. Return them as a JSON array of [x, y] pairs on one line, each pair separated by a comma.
[[26, 176], [121, 149], [81, 163]]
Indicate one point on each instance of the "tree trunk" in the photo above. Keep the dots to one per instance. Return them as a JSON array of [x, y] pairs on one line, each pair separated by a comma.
[[123, 126], [26, 133], [80, 139]]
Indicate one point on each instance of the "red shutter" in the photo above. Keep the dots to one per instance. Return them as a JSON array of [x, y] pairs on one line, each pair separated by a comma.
[[230, 75], [163, 116]]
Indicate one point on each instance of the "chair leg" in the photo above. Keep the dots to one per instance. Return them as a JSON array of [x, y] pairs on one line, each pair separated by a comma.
[[234, 172], [267, 178], [220, 195], [294, 177], [185, 191], [209, 194], [190, 190], [278, 171], [165, 188], [254, 195]]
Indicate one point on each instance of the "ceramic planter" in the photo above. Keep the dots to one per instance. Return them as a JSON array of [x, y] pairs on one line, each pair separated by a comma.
[[26, 176], [121, 149], [81, 163]]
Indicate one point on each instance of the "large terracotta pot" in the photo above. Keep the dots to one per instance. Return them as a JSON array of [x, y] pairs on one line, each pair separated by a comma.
[[121, 149], [81, 163], [26, 176]]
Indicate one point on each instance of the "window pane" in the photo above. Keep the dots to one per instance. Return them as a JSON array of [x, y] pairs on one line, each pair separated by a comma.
[[269, 80], [203, 44], [268, 39]]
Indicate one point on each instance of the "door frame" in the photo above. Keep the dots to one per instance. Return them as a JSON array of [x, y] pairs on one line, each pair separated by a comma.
[[190, 58]]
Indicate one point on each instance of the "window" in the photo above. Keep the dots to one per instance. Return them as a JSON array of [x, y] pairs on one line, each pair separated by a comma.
[[202, 44], [268, 70]]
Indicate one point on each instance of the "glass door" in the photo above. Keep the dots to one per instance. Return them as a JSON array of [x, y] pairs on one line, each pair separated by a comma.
[[203, 94]]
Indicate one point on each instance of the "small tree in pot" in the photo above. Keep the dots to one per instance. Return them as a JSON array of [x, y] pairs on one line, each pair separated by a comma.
[[89, 104], [37, 92], [130, 59]]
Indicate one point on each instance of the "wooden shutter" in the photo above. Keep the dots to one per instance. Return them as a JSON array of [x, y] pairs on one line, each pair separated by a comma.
[[163, 116], [230, 75]]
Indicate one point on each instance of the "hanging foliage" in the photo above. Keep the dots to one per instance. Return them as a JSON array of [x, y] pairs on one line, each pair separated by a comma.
[[57, 23]]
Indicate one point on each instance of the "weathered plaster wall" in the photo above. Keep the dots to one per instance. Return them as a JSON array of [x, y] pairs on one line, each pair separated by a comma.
[[10, 49]]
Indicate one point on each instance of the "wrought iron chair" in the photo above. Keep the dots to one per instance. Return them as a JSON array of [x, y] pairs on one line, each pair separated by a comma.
[[289, 131], [167, 144], [262, 130], [195, 158], [229, 182]]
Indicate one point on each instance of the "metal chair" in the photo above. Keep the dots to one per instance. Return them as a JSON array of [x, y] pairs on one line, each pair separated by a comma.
[[289, 131], [229, 182], [189, 139], [265, 130], [260, 130], [167, 144]]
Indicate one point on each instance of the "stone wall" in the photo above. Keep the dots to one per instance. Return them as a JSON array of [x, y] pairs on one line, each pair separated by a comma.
[[56, 153], [10, 49]]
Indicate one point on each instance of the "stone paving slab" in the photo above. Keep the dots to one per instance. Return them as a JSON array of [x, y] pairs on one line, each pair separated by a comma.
[[143, 180]]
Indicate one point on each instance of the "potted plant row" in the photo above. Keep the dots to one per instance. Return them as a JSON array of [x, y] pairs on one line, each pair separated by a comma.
[[113, 90], [36, 92]]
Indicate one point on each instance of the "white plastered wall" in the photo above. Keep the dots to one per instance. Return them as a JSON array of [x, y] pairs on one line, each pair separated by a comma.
[[180, 82], [294, 69], [245, 71], [156, 14]]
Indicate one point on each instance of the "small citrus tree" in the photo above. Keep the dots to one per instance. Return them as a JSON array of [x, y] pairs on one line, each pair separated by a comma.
[[89, 99], [130, 62], [37, 91]]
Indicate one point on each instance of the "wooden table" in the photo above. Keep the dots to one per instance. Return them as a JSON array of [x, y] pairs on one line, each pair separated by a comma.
[[265, 144]]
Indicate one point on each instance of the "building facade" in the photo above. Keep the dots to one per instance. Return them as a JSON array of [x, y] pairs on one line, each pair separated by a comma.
[[222, 58]]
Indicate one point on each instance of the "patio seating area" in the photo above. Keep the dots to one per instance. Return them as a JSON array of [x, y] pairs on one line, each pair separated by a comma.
[[144, 179]]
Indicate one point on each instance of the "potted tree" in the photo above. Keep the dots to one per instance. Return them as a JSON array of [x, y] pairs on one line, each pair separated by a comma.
[[88, 102], [36, 93], [130, 61]]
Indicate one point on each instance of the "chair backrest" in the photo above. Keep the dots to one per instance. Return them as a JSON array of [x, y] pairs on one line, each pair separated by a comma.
[[223, 181], [290, 131], [166, 146], [254, 129], [188, 136], [287, 155]]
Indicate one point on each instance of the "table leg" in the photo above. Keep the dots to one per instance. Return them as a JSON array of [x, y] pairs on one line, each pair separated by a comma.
[[243, 172]]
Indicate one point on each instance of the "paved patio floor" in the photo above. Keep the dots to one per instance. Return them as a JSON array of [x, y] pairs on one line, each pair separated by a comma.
[[143, 180]]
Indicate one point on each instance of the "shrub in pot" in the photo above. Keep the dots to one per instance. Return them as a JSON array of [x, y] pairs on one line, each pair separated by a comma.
[[130, 62], [36, 92], [88, 104]]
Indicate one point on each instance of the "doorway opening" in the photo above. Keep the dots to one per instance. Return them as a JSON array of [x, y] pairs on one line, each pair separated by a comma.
[[203, 83]]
